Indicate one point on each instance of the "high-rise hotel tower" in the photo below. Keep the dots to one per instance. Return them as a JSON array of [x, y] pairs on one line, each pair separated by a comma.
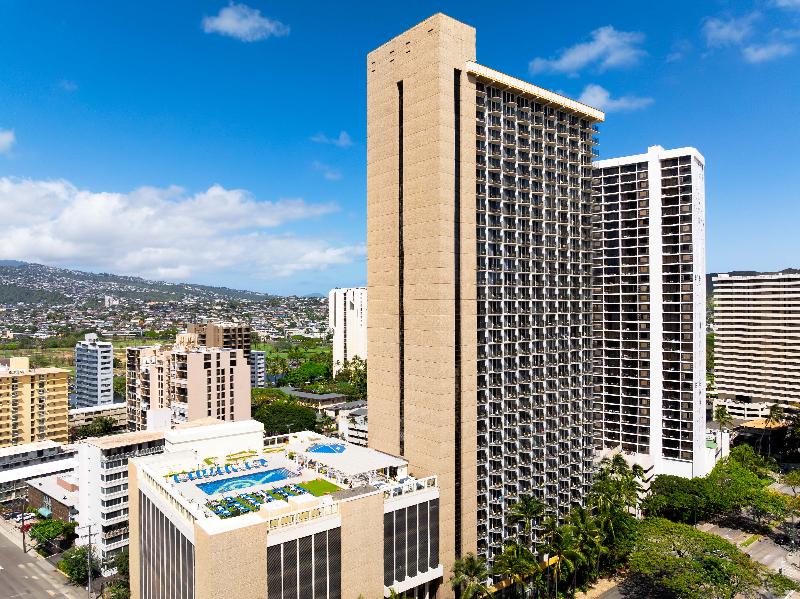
[[650, 309], [479, 281]]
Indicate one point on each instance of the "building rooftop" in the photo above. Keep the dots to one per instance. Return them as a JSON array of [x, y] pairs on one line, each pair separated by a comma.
[[302, 472], [49, 485], [312, 396], [124, 439], [28, 447], [119, 405]]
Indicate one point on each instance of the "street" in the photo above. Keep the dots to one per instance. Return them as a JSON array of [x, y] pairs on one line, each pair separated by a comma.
[[29, 576]]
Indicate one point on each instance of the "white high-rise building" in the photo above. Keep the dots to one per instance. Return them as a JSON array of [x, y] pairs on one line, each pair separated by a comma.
[[94, 372], [347, 316], [757, 342], [650, 309]]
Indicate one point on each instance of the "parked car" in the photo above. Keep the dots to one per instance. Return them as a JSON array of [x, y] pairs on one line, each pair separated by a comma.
[[10, 515]]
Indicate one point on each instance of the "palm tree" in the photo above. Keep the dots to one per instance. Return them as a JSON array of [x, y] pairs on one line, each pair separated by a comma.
[[721, 415], [517, 563], [564, 550], [527, 509], [470, 575], [589, 537]]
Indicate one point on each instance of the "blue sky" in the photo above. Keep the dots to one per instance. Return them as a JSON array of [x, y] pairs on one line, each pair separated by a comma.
[[225, 143]]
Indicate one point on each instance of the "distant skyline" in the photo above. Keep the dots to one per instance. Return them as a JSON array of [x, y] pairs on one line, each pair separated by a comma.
[[223, 143]]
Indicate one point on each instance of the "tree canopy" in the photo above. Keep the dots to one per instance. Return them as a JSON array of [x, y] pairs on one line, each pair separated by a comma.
[[74, 564], [285, 416]]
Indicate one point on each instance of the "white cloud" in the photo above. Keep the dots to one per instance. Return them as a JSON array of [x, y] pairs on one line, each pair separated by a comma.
[[68, 85], [607, 49], [343, 141], [330, 173], [728, 31], [761, 53], [163, 233], [599, 97], [679, 51], [787, 3], [7, 140], [244, 23]]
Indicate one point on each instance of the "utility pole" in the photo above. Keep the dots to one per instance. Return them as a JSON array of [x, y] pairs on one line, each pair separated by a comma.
[[90, 534], [22, 526]]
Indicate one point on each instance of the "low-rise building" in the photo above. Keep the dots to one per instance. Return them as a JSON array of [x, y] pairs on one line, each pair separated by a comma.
[[55, 496], [20, 463], [743, 410], [319, 401], [306, 516], [356, 427], [117, 412]]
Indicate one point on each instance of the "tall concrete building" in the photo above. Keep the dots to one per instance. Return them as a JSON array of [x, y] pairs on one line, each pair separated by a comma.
[[33, 403], [757, 341], [347, 318], [94, 372], [227, 335], [192, 381], [258, 369], [650, 309], [479, 281]]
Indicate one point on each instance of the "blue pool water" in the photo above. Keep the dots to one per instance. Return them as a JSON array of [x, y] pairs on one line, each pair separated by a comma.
[[327, 448], [246, 480]]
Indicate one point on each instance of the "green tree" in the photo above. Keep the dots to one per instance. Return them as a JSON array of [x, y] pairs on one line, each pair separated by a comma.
[[774, 418], [281, 417], [589, 537], [75, 565], [121, 562], [724, 419], [99, 427], [470, 575], [354, 375], [527, 509], [686, 563], [120, 391], [308, 372], [516, 564], [564, 549], [47, 531]]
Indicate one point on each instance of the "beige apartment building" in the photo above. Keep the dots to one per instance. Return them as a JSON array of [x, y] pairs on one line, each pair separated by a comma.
[[227, 335], [479, 282], [757, 341], [191, 380], [33, 403]]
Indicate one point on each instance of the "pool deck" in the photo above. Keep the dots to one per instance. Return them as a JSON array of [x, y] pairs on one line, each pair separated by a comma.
[[191, 491]]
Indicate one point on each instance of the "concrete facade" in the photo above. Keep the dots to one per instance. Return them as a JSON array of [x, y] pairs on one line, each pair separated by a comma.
[[33, 403], [227, 335], [20, 463], [347, 319], [94, 372], [377, 533], [757, 341], [650, 308], [192, 381], [464, 315]]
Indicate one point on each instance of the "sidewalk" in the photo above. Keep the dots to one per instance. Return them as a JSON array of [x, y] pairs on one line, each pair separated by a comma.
[[602, 586]]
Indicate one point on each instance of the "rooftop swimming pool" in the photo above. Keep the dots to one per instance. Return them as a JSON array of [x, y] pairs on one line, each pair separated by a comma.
[[327, 448], [245, 481]]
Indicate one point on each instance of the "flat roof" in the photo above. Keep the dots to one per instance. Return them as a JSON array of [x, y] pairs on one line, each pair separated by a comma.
[[119, 405], [28, 447], [69, 463], [503, 80], [651, 151], [350, 460], [123, 439], [311, 396], [49, 486]]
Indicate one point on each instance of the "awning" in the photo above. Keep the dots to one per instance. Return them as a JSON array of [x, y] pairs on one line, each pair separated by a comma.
[[44, 512]]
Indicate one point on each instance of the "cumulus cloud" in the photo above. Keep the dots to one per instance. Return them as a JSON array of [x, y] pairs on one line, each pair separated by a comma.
[[787, 3], [7, 140], [728, 31], [162, 233], [244, 23], [330, 173], [599, 97], [343, 141], [607, 49], [761, 53]]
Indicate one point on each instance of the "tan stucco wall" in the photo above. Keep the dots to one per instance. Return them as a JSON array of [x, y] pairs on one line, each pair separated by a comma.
[[231, 564], [134, 546], [362, 547], [424, 58]]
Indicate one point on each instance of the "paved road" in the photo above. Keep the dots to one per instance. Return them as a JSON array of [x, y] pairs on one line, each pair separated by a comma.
[[27, 576]]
